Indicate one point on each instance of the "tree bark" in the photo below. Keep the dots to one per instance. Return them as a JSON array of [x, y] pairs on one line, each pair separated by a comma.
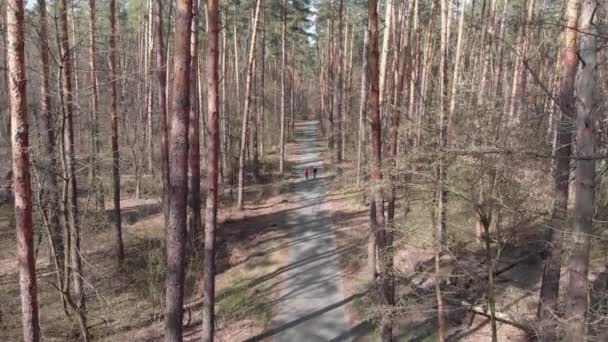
[[22, 186], [373, 107], [194, 157], [161, 65], [586, 107], [213, 145], [70, 169], [178, 161], [95, 139], [518, 91], [52, 208], [244, 131], [549, 292], [224, 110], [441, 209], [388, 16], [362, 105], [339, 67], [283, 85], [120, 253]]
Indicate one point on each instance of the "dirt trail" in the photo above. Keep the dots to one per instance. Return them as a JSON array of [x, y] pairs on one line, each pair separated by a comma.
[[311, 301]]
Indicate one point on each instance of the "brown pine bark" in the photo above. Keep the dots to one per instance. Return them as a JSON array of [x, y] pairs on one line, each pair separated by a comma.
[[213, 147], [150, 87], [339, 67], [161, 65], [283, 85], [71, 186], [225, 127], [120, 253], [178, 162], [22, 186], [388, 15], [549, 292], [52, 208], [518, 91], [247, 105], [362, 105], [373, 108], [95, 138], [586, 107], [441, 202], [262, 117], [194, 157]]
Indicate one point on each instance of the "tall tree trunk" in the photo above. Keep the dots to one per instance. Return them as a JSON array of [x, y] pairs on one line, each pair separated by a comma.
[[70, 168], [441, 210], [178, 161], [237, 69], [262, 117], [78, 136], [244, 131], [337, 110], [283, 85], [95, 139], [213, 146], [330, 79], [150, 94], [388, 15], [224, 109], [120, 253], [586, 107], [161, 65], [518, 91], [22, 186], [561, 173], [373, 107], [362, 104], [194, 158], [414, 71], [456, 75], [52, 189]]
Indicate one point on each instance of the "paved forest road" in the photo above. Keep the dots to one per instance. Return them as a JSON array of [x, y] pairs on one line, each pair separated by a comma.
[[310, 306]]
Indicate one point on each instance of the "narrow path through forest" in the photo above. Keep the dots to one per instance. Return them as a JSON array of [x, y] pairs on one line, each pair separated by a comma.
[[311, 302]]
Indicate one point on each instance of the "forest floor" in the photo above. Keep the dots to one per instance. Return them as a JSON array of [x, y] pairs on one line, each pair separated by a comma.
[[292, 264], [518, 266], [125, 304]]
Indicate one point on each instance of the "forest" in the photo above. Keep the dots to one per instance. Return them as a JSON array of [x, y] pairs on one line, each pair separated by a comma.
[[303, 170]]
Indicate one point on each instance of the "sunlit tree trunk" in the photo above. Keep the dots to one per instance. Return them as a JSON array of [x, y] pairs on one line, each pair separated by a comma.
[[150, 93], [22, 187], [388, 17], [70, 168], [586, 107], [362, 105], [178, 164], [339, 87], [373, 108], [115, 148], [244, 131], [95, 138], [52, 208], [518, 91], [551, 274], [213, 145], [283, 85], [161, 65], [224, 108], [262, 116], [441, 202], [194, 158]]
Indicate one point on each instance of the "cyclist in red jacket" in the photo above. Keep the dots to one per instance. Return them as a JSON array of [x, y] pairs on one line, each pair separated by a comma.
[[306, 173]]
